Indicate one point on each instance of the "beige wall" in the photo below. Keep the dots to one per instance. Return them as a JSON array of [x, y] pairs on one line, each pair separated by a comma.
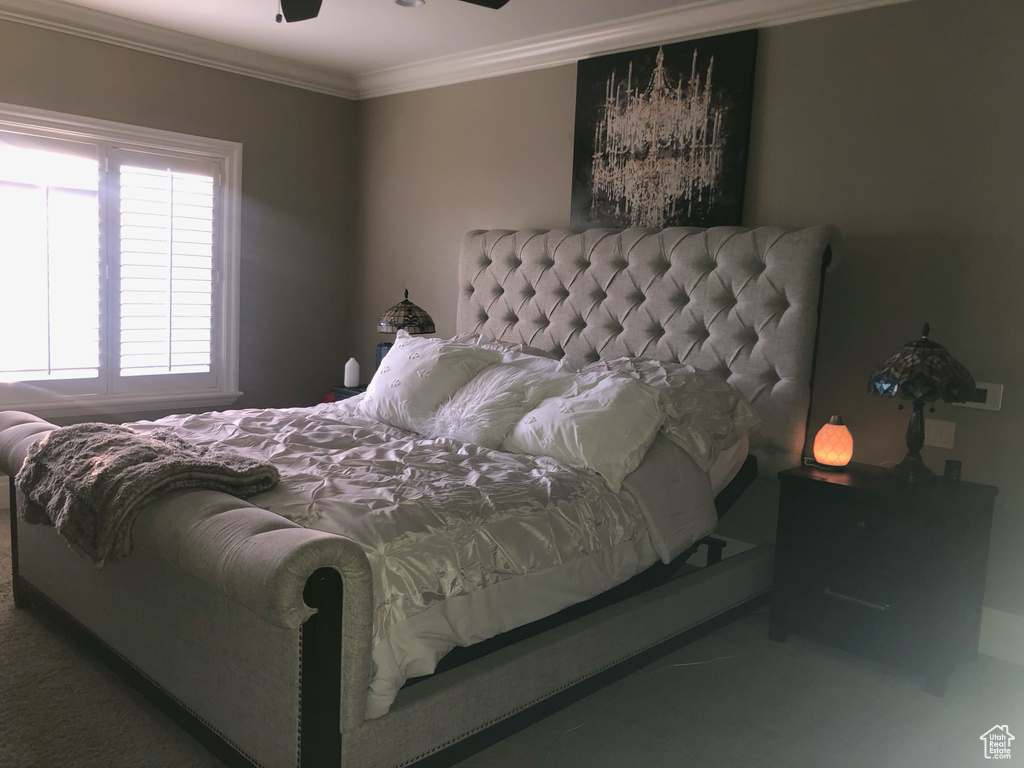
[[902, 125], [435, 164], [297, 187]]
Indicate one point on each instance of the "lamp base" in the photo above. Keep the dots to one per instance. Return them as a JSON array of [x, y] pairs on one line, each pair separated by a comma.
[[915, 470], [811, 462], [382, 349], [912, 466]]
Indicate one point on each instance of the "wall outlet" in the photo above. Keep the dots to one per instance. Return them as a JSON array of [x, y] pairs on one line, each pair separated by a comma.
[[939, 434]]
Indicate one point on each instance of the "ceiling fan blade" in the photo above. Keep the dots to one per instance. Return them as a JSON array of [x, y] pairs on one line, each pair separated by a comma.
[[300, 10], [495, 4]]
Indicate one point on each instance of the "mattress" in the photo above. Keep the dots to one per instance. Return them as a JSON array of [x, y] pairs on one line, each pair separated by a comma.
[[464, 542]]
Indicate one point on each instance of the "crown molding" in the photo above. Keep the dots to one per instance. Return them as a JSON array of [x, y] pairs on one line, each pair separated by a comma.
[[680, 23], [116, 30]]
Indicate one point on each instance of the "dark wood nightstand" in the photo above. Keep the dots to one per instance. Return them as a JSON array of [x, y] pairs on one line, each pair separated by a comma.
[[868, 562], [343, 393]]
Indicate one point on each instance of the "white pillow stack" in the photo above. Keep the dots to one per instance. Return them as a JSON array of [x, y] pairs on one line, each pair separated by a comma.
[[604, 423], [503, 396], [486, 409], [706, 415]]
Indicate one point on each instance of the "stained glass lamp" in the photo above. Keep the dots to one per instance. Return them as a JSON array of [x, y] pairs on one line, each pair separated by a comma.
[[922, 372], [404, 316]]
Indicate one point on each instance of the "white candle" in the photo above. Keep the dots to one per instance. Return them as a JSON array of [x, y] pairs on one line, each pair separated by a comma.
[[352, 373]]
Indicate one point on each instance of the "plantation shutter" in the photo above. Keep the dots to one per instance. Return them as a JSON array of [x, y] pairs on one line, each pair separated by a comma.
[[166, 229]]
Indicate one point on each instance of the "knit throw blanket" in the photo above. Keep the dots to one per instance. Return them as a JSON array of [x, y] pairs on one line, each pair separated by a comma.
[[91, 480]]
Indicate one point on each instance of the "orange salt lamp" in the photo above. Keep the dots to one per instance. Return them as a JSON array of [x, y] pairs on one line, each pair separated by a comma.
[[833, 445]]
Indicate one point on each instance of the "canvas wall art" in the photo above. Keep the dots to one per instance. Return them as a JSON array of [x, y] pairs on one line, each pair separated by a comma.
[[662, 134]]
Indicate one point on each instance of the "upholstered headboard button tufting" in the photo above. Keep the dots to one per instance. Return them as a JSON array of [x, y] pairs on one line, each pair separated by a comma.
[[742, 303]]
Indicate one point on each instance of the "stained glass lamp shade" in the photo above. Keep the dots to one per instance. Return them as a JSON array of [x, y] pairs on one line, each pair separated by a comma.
[[404, 316], [922, 372]]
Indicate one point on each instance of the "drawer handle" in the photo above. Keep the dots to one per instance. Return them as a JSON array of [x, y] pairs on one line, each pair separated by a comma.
[[857, 600]]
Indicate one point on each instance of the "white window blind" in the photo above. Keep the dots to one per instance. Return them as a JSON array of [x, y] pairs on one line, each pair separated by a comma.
[[166, 271], [119, 254]]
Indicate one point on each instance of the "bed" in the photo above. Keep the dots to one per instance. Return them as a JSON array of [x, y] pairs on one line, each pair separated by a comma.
[[259, 633]]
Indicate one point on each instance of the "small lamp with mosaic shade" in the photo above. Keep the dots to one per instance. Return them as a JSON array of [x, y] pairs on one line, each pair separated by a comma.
[[404, 316], [922, 372]]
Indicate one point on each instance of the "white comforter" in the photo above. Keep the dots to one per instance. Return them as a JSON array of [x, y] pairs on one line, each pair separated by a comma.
[[464, 542]]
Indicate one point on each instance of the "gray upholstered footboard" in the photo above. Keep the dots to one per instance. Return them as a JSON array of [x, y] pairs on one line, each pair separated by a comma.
[[233, 671], [210, 607]]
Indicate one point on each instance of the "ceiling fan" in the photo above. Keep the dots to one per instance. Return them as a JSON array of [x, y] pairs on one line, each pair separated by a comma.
[[300, 10]]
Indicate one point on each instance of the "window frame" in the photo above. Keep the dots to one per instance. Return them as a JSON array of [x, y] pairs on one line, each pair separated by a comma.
[[109, 138]]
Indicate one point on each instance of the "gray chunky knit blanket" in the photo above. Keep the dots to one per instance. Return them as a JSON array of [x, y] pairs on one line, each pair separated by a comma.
[[91, 480]]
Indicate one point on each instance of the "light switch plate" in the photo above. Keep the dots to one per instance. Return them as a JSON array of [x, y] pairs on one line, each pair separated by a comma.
[[939, 434]]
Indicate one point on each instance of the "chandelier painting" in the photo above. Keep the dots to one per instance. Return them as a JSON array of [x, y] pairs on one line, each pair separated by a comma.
[[662, 134]]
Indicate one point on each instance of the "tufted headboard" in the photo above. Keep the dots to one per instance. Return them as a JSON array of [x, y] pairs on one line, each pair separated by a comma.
[[743, 303]]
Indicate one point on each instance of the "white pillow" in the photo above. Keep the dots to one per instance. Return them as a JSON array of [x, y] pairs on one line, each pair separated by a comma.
[[706, 415], [417, 375], [603, 423], [484, 411]]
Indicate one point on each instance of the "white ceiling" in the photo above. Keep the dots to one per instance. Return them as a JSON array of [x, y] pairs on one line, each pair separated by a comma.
[[362, 48]]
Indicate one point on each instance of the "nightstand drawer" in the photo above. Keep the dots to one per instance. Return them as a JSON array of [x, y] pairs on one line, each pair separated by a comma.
[[826, 612], [844, 588], [888, 622], [873, 536]]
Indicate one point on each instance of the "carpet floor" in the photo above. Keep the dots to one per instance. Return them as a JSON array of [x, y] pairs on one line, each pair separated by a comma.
[[731, 699]]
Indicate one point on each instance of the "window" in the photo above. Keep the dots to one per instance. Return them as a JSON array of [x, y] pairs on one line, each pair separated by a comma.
[[119, 261]]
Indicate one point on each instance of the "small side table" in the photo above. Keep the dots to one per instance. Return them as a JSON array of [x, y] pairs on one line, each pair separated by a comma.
[[344, 393], [871, 563]]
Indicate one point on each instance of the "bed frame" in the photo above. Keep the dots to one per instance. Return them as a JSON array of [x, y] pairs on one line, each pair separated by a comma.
[[253, 633]]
